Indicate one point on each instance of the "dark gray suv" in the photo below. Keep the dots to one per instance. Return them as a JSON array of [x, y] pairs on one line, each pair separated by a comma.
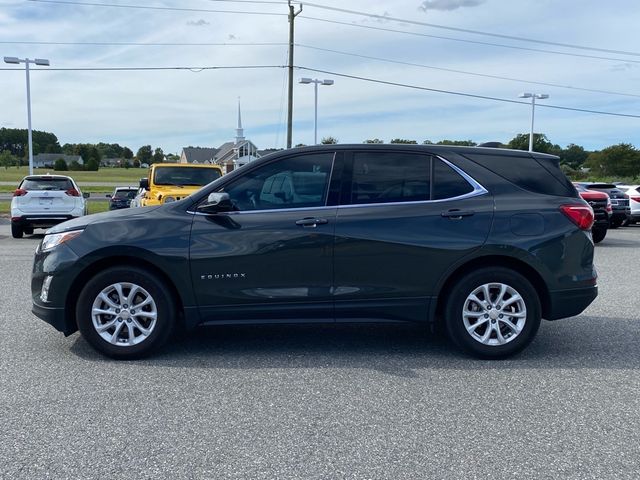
[[487, 241]]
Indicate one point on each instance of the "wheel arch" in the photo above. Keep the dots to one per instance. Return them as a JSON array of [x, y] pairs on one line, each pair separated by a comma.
[[515, 264], [117, 261]]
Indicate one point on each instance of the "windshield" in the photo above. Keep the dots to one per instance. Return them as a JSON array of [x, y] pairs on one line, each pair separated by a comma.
[[185, 176]]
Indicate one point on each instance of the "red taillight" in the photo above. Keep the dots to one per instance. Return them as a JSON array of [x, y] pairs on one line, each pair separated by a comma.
[[72, 192], [609, 208], [635, 199], [19, 192], [581, 215]]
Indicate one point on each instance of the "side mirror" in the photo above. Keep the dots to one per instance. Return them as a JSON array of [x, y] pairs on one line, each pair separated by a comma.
[[216, 202], [86, 195], [144, 183]]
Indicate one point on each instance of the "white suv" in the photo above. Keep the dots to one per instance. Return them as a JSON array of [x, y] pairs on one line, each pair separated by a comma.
[[42, 201]]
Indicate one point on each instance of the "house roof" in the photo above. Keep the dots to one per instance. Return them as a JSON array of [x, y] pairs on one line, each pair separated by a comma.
[[199, 154], [52, 157]]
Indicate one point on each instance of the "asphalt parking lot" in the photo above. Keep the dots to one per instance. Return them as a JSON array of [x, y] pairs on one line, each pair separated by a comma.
[[325, 401]]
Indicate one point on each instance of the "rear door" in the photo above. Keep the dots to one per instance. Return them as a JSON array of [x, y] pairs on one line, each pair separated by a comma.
[[403, 220], [47, 194]]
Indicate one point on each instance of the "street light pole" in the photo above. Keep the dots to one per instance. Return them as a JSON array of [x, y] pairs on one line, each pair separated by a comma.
[[41, 62], [533, 97], [315, 82]]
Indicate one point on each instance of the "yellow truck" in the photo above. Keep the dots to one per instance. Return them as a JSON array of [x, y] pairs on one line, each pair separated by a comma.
[[169, 182]]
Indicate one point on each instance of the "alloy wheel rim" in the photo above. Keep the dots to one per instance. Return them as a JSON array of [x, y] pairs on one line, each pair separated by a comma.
[[124, 314], [494, 314]]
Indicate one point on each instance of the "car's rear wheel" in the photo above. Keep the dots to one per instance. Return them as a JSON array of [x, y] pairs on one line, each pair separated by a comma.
[[28, 230], [492, 312], [125, 313], [16, 231], [598, 234]]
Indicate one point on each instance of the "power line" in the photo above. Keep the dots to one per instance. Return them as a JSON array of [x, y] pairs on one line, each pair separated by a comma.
[[475, 32], [463, 94], [148, 7], [475, 42], [101, 69], [498, 77], [146, 44]]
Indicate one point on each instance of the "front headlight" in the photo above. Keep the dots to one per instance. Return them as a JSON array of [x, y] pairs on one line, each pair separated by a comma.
[[53, 240], [169, 199]]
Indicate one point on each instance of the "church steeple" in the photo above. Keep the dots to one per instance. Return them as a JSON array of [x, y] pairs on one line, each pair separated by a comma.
[[239, 130]]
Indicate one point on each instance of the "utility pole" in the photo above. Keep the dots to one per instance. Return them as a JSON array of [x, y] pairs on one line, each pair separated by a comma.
[[292, 16]]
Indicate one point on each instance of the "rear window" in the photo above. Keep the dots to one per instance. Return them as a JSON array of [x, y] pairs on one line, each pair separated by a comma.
[[125, 194], [44, 183], [539, 175], [185, 176]]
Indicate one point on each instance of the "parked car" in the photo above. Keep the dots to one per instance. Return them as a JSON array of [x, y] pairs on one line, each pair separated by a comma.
[[488, 241], [619, 202], [42, 201], [121, 197], [136, 201], [602, 210], [170, 182], [633, 192]]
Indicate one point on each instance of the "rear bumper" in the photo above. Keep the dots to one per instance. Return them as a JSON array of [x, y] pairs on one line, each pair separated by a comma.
[[568, 303], [40, 221]]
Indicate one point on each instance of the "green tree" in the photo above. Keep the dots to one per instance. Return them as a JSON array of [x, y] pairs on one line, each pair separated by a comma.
[[7, 159], [60, 165], [158, 155], [617, 160], [540, 143], [463, 143], [403, 140], [145, 154], [374, 140], [329, 140], [127, 153], [574, 156], [75, 166], [92, 165]]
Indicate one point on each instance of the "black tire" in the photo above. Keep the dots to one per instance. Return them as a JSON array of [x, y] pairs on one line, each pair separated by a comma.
[[16, 231], [598, 234], [164, 307], [458, 296]]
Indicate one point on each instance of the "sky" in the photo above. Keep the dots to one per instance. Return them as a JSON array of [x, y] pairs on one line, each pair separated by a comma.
[[392, 62]]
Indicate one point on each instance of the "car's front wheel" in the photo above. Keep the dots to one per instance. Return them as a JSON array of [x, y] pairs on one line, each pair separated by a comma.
[[125, 313], [492, 312]]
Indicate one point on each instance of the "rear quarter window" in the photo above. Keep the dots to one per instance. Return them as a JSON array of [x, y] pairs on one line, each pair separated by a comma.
[[534, 174]]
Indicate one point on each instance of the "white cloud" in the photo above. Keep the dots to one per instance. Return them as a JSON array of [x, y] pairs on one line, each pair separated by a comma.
[[449, 5]]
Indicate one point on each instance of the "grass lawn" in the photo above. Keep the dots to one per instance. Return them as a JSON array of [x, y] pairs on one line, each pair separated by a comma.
[[126, 176], [94, 207]]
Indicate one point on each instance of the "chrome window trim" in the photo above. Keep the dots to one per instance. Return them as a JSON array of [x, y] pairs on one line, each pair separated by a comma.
[[478, 190]]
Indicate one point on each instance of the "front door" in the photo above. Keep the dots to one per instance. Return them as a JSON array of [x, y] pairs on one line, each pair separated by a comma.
[[270, 258]]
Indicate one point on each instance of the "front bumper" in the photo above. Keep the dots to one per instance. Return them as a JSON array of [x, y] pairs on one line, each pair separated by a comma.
[[569, 303], [56, 317]]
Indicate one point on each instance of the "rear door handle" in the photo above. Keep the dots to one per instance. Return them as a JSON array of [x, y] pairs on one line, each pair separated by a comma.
[[456, 214], [311, 222]]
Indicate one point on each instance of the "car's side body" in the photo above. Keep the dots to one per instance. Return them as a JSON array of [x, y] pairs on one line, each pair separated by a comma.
[[392, 254], [633, 192]]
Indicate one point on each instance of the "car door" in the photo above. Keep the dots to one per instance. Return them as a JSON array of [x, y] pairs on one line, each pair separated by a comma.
[[270, 258], [403, 220]]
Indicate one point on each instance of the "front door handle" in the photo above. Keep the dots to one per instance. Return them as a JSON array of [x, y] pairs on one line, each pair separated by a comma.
[[311, 222], [456, 214]]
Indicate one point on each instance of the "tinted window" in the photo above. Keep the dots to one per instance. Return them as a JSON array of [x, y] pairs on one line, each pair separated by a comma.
[[447, 183], [124, 194], [44, 183], [293, 182], [389, 177], [536, 175], [185, 176]]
